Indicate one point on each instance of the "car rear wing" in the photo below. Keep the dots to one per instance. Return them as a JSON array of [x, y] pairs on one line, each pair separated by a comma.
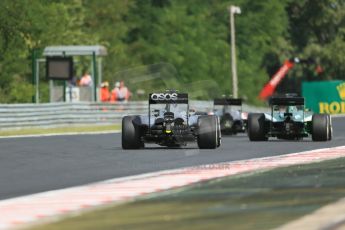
[[286, 101], [227, 101], [168, 98]]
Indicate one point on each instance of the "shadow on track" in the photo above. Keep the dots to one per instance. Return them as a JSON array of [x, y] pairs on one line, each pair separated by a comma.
[[156, 148]]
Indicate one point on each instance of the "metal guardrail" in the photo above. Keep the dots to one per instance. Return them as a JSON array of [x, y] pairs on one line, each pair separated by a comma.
[[62, 114], [59, 114]]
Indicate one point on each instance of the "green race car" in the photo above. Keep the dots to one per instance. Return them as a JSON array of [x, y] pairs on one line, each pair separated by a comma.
[[289, 120]]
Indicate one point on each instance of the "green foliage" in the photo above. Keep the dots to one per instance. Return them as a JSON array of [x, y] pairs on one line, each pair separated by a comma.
[[107, 21], [318, 30], [18, 90], [174, 44], [25, 25]]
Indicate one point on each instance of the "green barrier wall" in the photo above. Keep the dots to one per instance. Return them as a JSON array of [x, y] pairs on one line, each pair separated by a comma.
[[325, 96]]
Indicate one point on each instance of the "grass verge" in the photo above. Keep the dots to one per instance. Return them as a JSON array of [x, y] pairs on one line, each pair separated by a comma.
[[258, 201], [70, 129]]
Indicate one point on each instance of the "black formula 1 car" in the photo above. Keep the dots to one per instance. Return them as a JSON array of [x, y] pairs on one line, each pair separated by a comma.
[[229, 111], [289, 120], [170, 123]]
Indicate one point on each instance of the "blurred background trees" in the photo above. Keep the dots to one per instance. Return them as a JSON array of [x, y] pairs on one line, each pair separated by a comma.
[[191, 36]]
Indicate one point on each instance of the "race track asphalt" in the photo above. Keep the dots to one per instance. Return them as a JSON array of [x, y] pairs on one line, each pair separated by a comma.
[[35, 164]]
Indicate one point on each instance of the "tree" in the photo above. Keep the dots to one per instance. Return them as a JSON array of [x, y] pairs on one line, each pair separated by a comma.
[[187, 42], [108, 20], [317, 30], [25, 25]]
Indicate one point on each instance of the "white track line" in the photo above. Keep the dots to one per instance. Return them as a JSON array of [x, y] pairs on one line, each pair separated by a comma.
[[19, 212]]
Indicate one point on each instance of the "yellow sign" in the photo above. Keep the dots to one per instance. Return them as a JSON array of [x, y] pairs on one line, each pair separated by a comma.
[[341, 90], [332, 108], [325, 96]]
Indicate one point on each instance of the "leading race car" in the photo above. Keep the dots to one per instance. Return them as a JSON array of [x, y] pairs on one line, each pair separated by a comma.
[[289, 120], [169, 123], [229, 111]]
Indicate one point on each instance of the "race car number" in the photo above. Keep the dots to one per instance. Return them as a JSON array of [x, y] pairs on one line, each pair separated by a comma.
[[163, 96]]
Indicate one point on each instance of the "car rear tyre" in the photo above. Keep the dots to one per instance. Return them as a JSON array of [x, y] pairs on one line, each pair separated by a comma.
[[130, 134], [219, 133], [208, 135], [226, 124], [256, 127], [320, 127], [330, 127]]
